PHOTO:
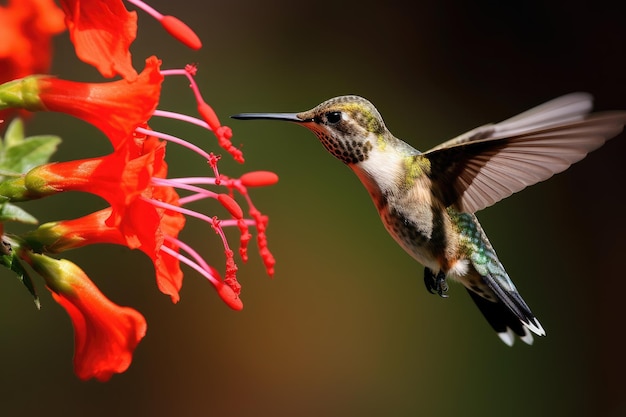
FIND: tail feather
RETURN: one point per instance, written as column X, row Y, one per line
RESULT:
column 509, row 315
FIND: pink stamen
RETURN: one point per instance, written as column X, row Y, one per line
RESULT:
column 213, row 159
column 189, row 72
column 231, row 268
column 183, row 185
column 228, row 294
column 222, row 133
column 213, row 221
column 172, row 25
column 174, row 139
column 197, row 259
column 195, row 180
column 192, row 69
column 260, row 223
column 182, row 117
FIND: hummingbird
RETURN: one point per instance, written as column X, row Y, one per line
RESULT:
column 427, row 200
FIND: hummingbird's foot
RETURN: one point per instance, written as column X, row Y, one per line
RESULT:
column 436, row 283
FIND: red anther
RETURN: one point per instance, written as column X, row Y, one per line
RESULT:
column 231, row 205
column 181, row 32
column 230, row 278
column 230, row 297
column 208, row 115
column 258, row 179
column 244, row 239
column 225, row 132
column 268, row 260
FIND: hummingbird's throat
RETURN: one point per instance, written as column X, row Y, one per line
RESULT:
column 349, row 151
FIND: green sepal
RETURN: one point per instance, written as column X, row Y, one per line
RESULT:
column 9, row 259
column 22, row 93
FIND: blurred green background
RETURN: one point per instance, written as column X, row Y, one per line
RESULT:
column 346, row 327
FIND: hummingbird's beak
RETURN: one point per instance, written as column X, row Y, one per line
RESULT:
column 287, row 117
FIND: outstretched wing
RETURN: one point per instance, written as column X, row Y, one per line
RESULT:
column 487, row 164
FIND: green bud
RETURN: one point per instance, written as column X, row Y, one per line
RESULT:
column 21, row 94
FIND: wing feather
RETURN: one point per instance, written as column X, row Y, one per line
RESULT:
column 492, row 162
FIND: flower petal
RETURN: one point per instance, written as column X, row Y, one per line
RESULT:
column 102, row 32
column 105, row 334
column 117, row 108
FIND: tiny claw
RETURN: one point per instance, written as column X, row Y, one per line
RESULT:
column 442, row 285
column 429, row 280
column 436, row 283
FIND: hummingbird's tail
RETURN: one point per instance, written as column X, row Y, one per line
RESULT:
column 509, row 315
column 490, row 286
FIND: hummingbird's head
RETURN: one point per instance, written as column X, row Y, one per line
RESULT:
column 349, row 127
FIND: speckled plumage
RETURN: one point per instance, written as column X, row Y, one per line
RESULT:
column 426, row 200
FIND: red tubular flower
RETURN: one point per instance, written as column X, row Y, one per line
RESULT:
column 102, row 32
column 26, row 29
column 105, row 334
column 150, row 224
column 143, row 226
column 57, row 237
column 117, row 108
column 116, row 178
column 146, row 211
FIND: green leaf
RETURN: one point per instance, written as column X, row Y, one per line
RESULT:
column 9, row 259
column 15, row 133
column 11, row 212
column 34, row 151
column 20, row 154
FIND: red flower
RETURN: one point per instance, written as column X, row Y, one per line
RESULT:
column 169, row 276
column 142, row 226
column 26, row 29
column 56, row 237
column 116, row 178
column 141, row 216
column 105, row 334
column 116, row 108
column 102, row 32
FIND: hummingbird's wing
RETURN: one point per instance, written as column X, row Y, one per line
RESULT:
column 487, row 164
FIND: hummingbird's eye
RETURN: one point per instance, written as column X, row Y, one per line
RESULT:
column 333, row 117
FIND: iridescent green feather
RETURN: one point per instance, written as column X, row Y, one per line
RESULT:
column 478, row 249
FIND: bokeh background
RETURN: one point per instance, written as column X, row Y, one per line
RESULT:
column 346, row 327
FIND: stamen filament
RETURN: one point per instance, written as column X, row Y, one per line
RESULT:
column 176, row 140
column 193, row 85
column 184, row 186
column 146, row 8
column 213, row 221
column 182, row 117
column 199, row 260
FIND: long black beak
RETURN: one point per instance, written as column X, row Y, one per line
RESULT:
column 288, row 117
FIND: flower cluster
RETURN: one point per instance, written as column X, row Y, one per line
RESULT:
column 145, row 210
